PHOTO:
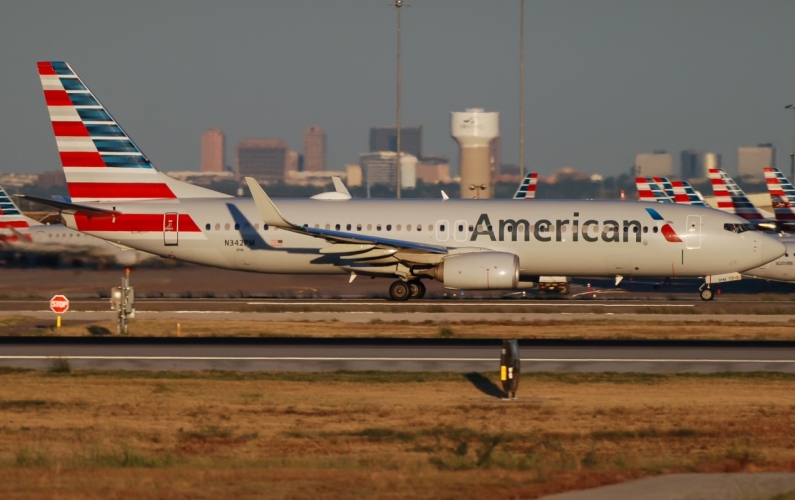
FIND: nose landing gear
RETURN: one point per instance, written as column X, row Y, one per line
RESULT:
column 706, row 292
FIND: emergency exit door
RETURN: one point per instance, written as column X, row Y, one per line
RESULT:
column 171, row 228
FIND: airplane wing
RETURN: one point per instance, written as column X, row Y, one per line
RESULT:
column 70, row 208
column 271, row 216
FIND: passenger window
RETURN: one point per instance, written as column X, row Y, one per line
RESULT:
column 217, row 226
column 461, row 228
column 408, row 227
column 207, row 227
column 654, row 230
column 358, row 227
column 226, row 226
column 645, row 229
column 397, row 227
column 471, row 228
column 328, row 226
column 635, row 229
column 369, row 227
column 317, row 226
column 378, row 227
column 348, row 227
column 337, row 227
column 256, row 226
column 237, row 226
column 266, row 227
column 419, row 227
column 441, row 227
column 389, row 227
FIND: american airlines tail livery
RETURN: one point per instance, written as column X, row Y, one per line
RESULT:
column 118, row 195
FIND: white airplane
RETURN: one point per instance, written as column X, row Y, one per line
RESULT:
column 19, row 233
column 118, row 195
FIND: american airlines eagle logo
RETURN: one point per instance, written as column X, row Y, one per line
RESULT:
column 666, row 229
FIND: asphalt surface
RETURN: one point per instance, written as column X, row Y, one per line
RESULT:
column 411, row 355
column 735, row 486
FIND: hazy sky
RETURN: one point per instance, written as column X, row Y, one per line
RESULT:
column 604, row 79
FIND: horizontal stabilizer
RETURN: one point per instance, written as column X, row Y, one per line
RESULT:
column 70, row 208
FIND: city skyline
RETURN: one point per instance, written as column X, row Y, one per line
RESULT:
column 605, row 81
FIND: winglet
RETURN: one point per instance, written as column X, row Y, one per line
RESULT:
column 444, row 195
column 339, row 186
column 267, row 210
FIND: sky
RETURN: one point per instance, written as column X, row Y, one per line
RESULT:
column 604, row 79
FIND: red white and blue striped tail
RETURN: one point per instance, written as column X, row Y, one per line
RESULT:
column 527, row 189
column 99, row 159
column 649, row 189
column 12, row 222
column 684, row 194
column 731, row 198
column 782, row 194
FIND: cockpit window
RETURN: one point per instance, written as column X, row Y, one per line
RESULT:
column 738, row 228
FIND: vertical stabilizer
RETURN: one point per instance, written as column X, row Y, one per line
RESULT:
column 731, row 198
column 100, row 161
column 527, row 189
column 782, row 194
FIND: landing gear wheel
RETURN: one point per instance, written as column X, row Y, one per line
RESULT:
column 417, row 289
column 399, row 291
column 707, row 294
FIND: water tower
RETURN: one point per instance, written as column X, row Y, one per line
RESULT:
column 474, row 129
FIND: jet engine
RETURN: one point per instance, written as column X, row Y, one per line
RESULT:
column 478, row 271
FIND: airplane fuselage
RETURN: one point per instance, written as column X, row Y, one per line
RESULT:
column 550, row 237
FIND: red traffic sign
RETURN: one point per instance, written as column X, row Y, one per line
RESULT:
column 59, row 304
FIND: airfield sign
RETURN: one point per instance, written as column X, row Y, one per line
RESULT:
column 59, row 304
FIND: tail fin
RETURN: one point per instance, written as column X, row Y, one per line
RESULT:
column 100, row 161
column 782, row 194
column 731, row 198
column 12, row 222
column 527, row 189
column 685, row 194
column 650, row 190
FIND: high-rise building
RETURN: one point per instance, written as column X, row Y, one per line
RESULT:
column 213, row 150
column 379, row 168
column 385, row 139
column 263, row 159
column 752, row 160
column 712, row 161
column 657, row 164
column 314, row 149
column 692, row 164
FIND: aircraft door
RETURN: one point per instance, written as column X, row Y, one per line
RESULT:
column 442, row 230
column 693, row 235
column 171, row 229
column 460, row 230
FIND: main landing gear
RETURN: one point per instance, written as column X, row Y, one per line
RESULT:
column 405, row 290
column 706, row 292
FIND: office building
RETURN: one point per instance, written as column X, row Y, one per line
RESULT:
column 692, row 164
column 379, row 168
column 213, row 151
column 385, row 139
column 433, row 169
column 263, row 159
column 657, row 164
column 752, row 160
column 354, row 173
column 314, row 149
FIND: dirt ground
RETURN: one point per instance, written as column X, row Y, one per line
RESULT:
column 379, row 435
column 597, row 328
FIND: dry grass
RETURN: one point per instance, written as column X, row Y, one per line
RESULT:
column 583, row 329
column 352, row 435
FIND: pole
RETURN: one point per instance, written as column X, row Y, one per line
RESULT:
column 521, row 90
column 792, row 154
column 398, row 5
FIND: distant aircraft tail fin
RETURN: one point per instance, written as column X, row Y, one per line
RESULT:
column 100, row 161
column 650, row 190
column 527, row 189
column 782, row 194
column 731, row 198
column 685, row 194
column 12, row 222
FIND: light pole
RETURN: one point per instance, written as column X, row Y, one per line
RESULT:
column 792, row 153
column 521, row 90
column 477, row 189
column 398, row 5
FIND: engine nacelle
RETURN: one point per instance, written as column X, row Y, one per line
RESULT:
column 478, row 271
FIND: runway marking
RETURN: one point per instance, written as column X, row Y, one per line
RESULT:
column 300, row 358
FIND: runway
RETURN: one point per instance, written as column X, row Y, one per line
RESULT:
column 410, row 355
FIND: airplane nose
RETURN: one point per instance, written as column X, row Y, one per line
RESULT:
column 770, row 248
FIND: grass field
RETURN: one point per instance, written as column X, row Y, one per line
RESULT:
column 385, row 435
column 597, row 328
